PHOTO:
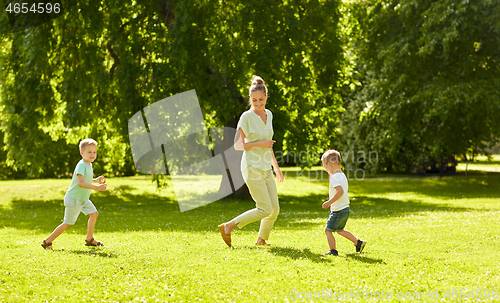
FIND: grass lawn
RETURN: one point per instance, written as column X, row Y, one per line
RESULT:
column 427, row 237
column 481, row 164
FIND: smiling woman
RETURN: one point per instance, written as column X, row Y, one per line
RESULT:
column 254, row 137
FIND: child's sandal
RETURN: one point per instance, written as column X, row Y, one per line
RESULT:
column 46, row 245
column 91, row 243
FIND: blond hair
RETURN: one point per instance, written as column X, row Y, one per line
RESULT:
column 331, row 156
column 86, row 142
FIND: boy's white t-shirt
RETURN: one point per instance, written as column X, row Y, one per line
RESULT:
column 336, row 180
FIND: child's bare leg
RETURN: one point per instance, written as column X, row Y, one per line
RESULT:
column 91, row 225
column 348, row 235
column 331, row 239
column 57, row 232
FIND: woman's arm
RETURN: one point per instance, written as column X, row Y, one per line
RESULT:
column 240, row 144
column 277, row 170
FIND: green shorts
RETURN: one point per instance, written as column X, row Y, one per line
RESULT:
column 74, row 207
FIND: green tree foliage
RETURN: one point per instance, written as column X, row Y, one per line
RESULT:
column 430, row 74
column 87, row 72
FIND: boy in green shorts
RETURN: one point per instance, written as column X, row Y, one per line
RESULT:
column 338, row 203
column 77, row 197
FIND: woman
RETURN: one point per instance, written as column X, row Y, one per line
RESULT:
column 254, row 134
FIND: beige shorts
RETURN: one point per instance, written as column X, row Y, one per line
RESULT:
column 74, row 207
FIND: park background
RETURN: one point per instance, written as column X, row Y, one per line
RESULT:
column 415, row 82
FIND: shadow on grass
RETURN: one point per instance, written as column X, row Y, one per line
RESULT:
column 478, row 184
column 306, row 254
column 363, row 258
column 292, row 253
column 118, row 210
column 296, row 254
column 93, row 252
column 127, row 212
column 122, row 210
column 297, row 211
column 452, row 187
column 372, row 207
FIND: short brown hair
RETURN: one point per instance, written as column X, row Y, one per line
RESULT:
column 86, row 142
column 331, row 156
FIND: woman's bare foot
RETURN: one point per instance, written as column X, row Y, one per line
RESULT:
column 261, row 241
column 228, row 227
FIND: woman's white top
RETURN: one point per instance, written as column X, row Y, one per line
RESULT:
column 256, row 130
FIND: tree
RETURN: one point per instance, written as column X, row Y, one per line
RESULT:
column 431, row 82
column 87, row 72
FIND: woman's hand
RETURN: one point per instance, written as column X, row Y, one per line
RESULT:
column 267, row 143
column 279, row 175
column 241, row 144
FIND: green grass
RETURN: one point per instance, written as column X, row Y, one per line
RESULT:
column 424, row 235
column 482, row 163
